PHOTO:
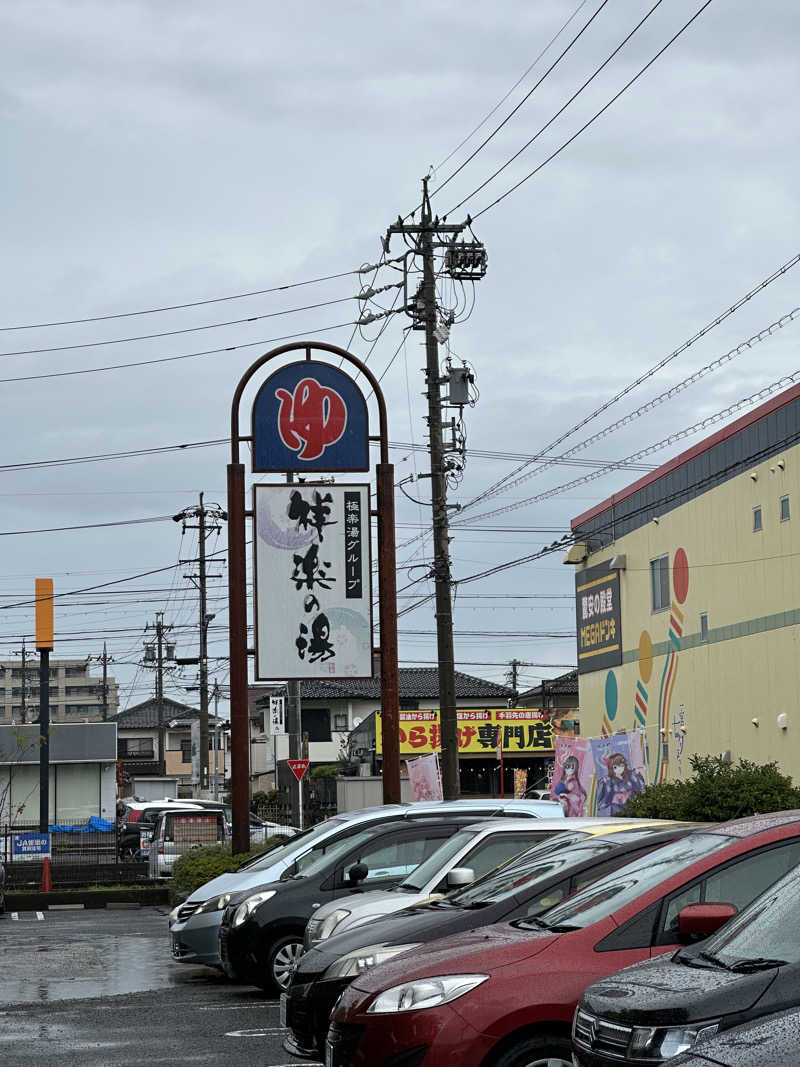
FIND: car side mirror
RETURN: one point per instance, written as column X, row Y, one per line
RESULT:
column 697, row 921
column 460, row 876
column 357, row 873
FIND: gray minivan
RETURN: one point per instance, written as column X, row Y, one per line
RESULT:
column 175, row 831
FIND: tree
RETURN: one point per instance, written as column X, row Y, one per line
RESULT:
column 717, row 791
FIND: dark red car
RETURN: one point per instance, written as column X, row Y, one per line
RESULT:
column 504, row 995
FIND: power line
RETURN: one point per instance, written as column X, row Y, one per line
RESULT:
column 516, row 84
column 86, row 526
column 522, row 102
column 173, row 359
column 511, row 482
column 191, row 304
column 506, row 479
column 596, row 116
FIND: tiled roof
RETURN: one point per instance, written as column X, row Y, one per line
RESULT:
column 564, row 685
column 144, row 716
column 415, row 683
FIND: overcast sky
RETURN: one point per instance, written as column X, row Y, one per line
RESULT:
column 158, row 153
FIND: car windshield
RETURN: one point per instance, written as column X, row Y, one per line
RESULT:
column 432, row 867
column 607, row 895
column 553, row 858
column 298, row 844
column 326, row 852
column 768, row 928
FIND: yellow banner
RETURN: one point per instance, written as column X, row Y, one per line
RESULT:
column 520, row 731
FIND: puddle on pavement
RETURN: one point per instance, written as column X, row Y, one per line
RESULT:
column 51, row 969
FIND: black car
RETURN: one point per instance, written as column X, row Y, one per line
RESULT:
column 653, row 1011
column 524, row 886
column 774, row 1040
column 261, row 935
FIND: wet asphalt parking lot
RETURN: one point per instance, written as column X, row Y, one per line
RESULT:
column 99, row 987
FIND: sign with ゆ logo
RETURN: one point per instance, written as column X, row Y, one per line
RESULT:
column 310, row 416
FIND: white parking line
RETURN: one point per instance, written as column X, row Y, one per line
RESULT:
column 265, row 1032
column 40, row 916
column 15, row 916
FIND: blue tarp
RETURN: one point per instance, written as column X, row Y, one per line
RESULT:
column 92, row 825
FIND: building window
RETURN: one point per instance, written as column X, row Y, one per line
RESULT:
column 317, row 723
column 785, row 512
column 758, row 523
column 659, row 582
column 140, row 747
column 704, row 627
column 340, row 721
column 186, row 751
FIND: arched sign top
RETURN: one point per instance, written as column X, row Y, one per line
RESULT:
column 310, row 416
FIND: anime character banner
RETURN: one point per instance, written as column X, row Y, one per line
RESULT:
column 619, row 769
column 573, row 770
column 313, row 591
column 424, row 778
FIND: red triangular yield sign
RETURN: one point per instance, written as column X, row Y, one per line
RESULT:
column 298, row 767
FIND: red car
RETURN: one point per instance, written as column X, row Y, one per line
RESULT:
column 504, row 995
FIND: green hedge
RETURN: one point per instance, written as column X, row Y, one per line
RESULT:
column 717, row 791
column 199, row 865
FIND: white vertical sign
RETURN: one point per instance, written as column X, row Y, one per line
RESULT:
column 313, row 581
column 277, row 716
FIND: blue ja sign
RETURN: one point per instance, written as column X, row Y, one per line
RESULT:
column 310, row 416
column 30, row 846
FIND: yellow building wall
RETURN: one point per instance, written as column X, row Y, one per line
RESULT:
column 748, row 584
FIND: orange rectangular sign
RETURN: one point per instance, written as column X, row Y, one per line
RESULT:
column 44, row 613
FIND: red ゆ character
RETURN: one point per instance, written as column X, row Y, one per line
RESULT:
column 311, row 418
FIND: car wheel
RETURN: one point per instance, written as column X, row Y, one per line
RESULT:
column 282, row 956
column 547, row 1050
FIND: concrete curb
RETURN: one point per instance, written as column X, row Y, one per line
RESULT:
column 78, row 901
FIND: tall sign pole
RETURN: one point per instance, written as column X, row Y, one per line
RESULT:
column 312, row 576
column 44, row 646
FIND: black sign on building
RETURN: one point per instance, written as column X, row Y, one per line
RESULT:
column 599, row 618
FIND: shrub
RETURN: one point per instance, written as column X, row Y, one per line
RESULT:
column 718, row 791
column 199, row 865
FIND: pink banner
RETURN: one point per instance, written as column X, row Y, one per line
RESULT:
column 572, row 774
column 424, row 778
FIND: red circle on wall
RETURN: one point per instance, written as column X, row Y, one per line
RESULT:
column 680, row 575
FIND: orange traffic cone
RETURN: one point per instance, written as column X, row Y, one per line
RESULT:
column 47, row 881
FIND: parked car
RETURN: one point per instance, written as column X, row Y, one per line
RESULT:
column 506, row 994
column 774, row 1040
column 194, row 924
column 525, row 885
column 464, row 857
column 136, row 822
column 261, row 935
column 177, row 831
column 655, row 1010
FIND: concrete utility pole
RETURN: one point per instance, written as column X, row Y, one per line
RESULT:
column 104, row 660
column 426, row 234
column 217, row 516
column 514, row 666
column 156, row 656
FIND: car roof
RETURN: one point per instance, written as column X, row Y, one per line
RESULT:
column 754, row 824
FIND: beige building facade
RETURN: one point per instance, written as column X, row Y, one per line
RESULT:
column 76, row 694
column 688, row 600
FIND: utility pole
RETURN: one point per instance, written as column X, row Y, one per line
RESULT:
column 217, row 516
column 427, row 233
column 157, row 655
column 105, row 659
column 514, row 666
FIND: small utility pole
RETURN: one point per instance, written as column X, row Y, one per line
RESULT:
column 156, row 656
column 426, row 233
column 104, row 660
column 215, row 513
column 514, row 666
column 24, row 682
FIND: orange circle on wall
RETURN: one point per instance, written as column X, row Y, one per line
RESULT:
column 645, row 656
column 680, row 575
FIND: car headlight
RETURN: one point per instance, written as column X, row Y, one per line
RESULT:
column 214, row 904
column 355, row 963
column 425, row 993
column 247, row 907
column 324, row 929
column 660, row 1043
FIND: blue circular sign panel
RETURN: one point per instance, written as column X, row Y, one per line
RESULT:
column 310, row 416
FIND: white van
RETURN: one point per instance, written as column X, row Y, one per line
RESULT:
column 176, row 831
